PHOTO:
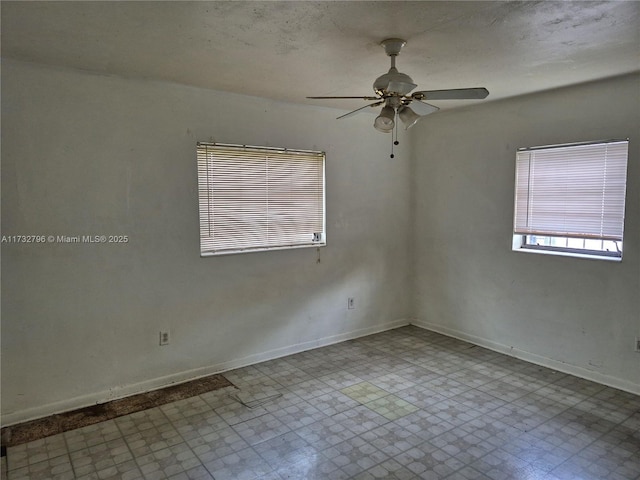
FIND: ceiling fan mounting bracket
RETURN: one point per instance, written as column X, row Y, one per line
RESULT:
column 392, row 46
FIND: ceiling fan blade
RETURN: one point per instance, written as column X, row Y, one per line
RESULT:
column 338, row 98
column 353, row 112
column 452, row 94
column 423, row 108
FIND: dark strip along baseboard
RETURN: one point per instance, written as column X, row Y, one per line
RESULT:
column 63, row 422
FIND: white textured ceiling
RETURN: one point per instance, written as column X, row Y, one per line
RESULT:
column 289, row 50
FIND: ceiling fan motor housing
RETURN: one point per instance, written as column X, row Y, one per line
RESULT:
column 393, row 80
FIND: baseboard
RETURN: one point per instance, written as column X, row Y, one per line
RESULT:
column 563, row 367
column 118, row 392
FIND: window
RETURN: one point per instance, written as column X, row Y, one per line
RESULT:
column 255, row 199
column 569, row 199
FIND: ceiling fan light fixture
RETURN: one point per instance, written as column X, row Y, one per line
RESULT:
column 385, row 121
column 408, row 117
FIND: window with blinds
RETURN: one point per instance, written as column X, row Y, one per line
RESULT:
column 570, row 199
column 257, row 198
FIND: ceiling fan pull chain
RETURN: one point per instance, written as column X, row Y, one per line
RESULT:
column 394, row 136
column 396, row 142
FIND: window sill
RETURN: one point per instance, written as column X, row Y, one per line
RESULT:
column 567, row 254
column 255, row 250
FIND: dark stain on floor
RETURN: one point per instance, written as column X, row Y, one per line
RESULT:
column 63, row 422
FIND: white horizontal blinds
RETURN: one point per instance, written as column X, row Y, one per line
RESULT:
column 295, row 198
column 572, row 191
column 257, row 199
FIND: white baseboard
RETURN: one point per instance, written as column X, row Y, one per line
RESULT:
column 118, row 392
column 563, row 367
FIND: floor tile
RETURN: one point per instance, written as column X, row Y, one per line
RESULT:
column 355, row 455
column 199, row 425
column 504, row 389
column 464, row 447
column 217, row 444
column 392, row 407
column 153, row 439
column 367, row 371
column 260, row 429
column 325, row 433
column 417, row 375
column 491, row 431
column 452, row 412
column 277, row 366
column 427, row 461
column 314, row 467
column 234, row 412
column 128, row 470
column 140, row 421
column 168, row 462
column 478, row 401
column 393, row 382
column 36, row 452
column 420, row 396
column 360, row 419
column 392, row 439
column 340, row 379
column 285, row 449
column 364, row 392
column 298, row 415
column 185, row 408
column 92, row 435
column 58, row 468
column 518, row 417
column 243, row 465
column 387, row 470
column 310, row 389
column 446, row 386
column 424, row 424
column 501, row 465
column 333, row 402
column 626, row 435
column 468, row 473
column 196, row 473
column 542, row 456
column 98, row 458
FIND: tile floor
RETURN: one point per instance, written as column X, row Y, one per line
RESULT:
column 403, row 404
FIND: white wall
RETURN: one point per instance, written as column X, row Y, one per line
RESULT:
column 575, row 315
column 84, row 154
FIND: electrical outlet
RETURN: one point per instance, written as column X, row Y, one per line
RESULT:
column 164, row 338
column 351, row 304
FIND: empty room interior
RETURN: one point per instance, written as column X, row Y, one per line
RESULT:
column 206, row 274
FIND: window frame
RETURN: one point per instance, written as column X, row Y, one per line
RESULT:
column 521, row 239
column 265, row 217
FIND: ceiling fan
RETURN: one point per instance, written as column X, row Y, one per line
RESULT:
column 392, row 89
